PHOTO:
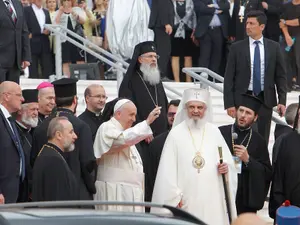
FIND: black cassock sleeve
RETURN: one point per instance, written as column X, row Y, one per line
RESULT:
column 256, row 178
column 277, row 191
column 55, row 182
column 87, row 157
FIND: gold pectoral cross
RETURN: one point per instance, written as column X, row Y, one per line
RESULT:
column 241, row 19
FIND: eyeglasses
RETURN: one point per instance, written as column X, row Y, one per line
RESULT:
column 171, row 114
column 150, row 56
column 99, row 96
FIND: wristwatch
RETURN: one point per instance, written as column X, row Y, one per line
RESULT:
column 284, row 22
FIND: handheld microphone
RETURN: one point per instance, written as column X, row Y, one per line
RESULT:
column 235, row 136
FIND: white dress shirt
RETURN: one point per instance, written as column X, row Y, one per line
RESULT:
column 40, row 16
column 6, row 115
column 252, row 46
column 12, row 6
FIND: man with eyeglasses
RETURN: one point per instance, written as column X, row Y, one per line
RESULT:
column 12, row 159
column 95, row 98
column 143, row 86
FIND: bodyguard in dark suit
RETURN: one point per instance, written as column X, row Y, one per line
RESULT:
column 36, row 17
column 14, row 41
column 211, row 31
column 12, row 159
column 162, row 22
column 255, row 66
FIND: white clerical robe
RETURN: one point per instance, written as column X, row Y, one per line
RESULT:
column 120, row 174
column 127, row 25
column 202, row 193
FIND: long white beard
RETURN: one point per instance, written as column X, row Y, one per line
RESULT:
column 29, row 121
column 150, row 74
column 195, row 123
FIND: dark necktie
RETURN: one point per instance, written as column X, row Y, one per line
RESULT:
column 256, row 70
column 19, row 146
column 11, row 11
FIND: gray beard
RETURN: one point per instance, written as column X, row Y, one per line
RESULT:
column 69, row 147
column 150, row 74
column 28, row 121
column 195, row 123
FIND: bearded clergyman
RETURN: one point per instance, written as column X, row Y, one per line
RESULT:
column 143, row 86
column 251, row 156
column 27, row 119
column 189, row 174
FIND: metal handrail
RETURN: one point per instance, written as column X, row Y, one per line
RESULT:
column 193, row 73
column 120, row 64
column 53, row 27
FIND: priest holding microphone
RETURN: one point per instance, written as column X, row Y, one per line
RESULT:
column 251, row 156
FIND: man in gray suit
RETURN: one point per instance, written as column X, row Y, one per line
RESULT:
column 14, row 41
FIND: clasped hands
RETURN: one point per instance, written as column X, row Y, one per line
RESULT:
column 214, row 6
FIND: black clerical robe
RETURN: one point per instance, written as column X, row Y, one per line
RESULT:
column 41, row 118
column 286, row 180
column 94, row 121
column 81, row 161
column 155, row 148
column 26, row 142
column 143, row 95
column 52, row 178
column 237, row 27
column 254, row 180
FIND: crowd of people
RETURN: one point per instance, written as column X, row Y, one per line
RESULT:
column 139, row 146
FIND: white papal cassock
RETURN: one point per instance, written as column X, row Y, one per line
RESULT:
column 120, row 174
column 202, row 193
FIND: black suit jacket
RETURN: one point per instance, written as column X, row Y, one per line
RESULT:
column 162, row 13
column 273, row 13
column 39, row 42
column 14, row 39
column 9, row 163
column 238, row 74
column 205, row 14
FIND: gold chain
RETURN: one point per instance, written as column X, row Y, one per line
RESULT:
column 194, row 140
column 45, row 145
column 250, row 136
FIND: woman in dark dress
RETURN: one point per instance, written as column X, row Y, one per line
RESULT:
column 71, row 18
column 182, row 43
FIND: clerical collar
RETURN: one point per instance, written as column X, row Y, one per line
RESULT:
column 238, row 128
column 97, row 115
column 23, row 126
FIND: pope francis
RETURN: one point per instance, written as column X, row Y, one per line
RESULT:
column 120, row 174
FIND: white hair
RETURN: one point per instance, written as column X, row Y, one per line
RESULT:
column 27, row 120
column 150, row 74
